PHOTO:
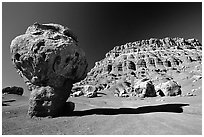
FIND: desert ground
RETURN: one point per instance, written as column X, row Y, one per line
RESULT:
column 106, row 114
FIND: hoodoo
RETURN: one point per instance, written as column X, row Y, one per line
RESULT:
column 49, row 60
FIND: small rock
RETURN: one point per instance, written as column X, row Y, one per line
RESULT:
column 190, row 94
column 125, row 95
column 116, row 95
column 77, row 94
column 196, row 77
column 193, row 90
column 91, row 94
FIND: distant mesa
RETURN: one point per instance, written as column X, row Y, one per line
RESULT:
column 49, row 60
column 13, row 90
column 134, row 68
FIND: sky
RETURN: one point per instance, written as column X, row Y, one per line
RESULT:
column 99, row 26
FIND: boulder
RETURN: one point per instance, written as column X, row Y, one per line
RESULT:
column 169, row 88
column 49, row 59
column 144, row 88
column 120, row 88
column 13, row 90
column 77, row 91
column 90, row 91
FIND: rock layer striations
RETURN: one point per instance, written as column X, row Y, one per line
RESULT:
column 144, row 63
column 48, row 58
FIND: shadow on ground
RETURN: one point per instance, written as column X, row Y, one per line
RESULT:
column 4, row 103
column 174, row 108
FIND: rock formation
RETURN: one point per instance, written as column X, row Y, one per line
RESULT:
column 86, row 90
column 153, row 60
column 169, row 88
column 144, row 88
column 49, row 59
column 13, row 90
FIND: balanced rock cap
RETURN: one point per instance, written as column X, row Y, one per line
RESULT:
column 48, row 50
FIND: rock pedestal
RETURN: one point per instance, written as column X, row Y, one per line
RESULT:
column 49, row 60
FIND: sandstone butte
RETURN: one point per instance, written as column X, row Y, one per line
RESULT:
column 145, row 68
column 49, row 60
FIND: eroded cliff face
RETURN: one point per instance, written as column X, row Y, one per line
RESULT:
column 155, row 60
column 49, row 59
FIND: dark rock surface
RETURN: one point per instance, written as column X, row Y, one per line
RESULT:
column 154, row 59
column 13, row 90
column 49, row 59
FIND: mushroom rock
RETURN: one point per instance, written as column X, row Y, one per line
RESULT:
column 49, row 59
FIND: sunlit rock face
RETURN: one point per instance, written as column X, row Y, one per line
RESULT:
column 49, row 59
column 155, row 59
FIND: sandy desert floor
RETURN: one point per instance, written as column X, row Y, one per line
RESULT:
column 107, row 114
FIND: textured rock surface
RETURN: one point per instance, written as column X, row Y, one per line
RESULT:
column 86, row 90
column 13, row 90
column 153, row 59
column 49, row 60
column 169, row 88
column 121, row 88
column 144, row 88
